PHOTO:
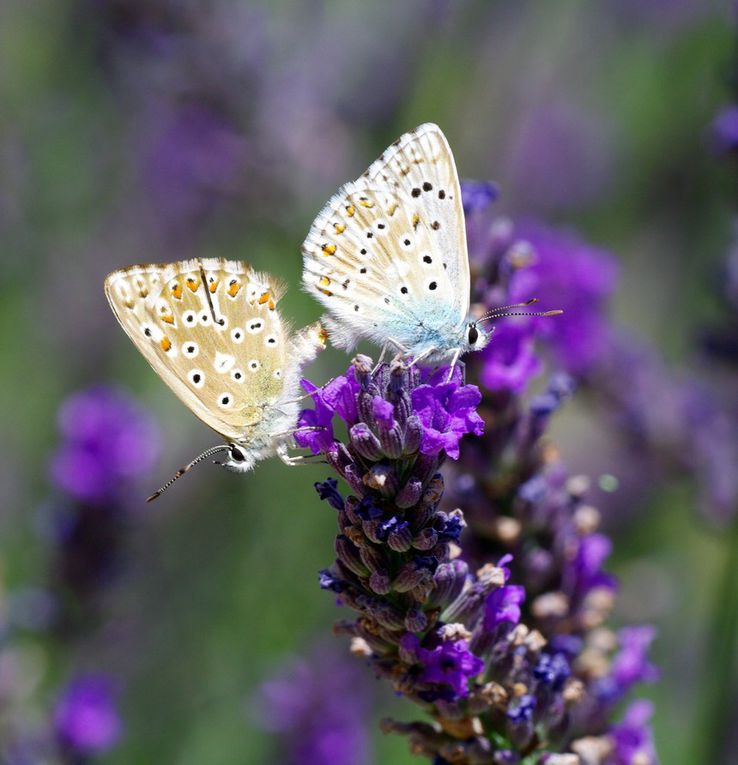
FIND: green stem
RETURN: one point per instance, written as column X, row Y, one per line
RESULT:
column 721, row 652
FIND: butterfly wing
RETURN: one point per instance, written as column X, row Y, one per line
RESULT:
column 391, row 245
column 211, row 330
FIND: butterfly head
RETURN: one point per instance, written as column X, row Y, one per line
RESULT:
column 239, row 459
column 476, row 337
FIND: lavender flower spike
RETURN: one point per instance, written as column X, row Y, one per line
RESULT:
column 446, row 638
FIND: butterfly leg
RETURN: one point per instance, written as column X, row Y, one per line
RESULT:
column 454, row 361
column 420, row 357
column 380, row 359
column 307, row 395
column 304, row 429
column 298, row 459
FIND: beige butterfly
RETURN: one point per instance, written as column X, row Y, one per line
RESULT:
column 211, row 330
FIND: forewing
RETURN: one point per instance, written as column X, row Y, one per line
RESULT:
column 211, row 330
column 391, row 243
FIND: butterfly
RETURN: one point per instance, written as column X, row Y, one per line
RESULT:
column 387, row 256
column 211, row 330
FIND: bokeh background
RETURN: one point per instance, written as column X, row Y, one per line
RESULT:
column 136, row 131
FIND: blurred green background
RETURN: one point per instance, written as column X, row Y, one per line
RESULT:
column 137, row 131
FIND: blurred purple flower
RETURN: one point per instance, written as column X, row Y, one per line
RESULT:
column 631, row 665
column 579, row 278
column 509, row 362
column 476, row 196
column 318, row 705
column 723, row 133
column 86, row 718
column 193, row 155
column 107, row 440
column 561, row 157
column 632, row 737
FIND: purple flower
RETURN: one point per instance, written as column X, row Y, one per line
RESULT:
column 724, row 130
column 503, row 606
column 318, row 706
column 632, row 737
column 319, row 417
column 447, row 413
column 107, row 440
column 450, row 663
column 86, row 718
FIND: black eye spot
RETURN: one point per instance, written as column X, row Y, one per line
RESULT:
column 221, row 322
column 406, row 242
column 147, row 332
column 196, row 378
column 387, row 300
column 237, row 335
column 380, row 225
column 363, row 250
column 369, row 235
column 190, row 349
column 205, row 318
column 441, row 194
column 237, row 375
column 362, row 270
column 473, row 334
column 432, row 286
column 445, row 266
column 427, row 259
column 415, row 192
column 237, row 455
column 403, row 290
column 356, row 308
column 190, row 319
column 427, row 186
column 435, row 225
column 225, row 400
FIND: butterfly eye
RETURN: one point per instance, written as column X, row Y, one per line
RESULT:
column 473, row 334
column 236, row 454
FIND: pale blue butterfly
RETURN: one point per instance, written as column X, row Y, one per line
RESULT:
column 387, row 256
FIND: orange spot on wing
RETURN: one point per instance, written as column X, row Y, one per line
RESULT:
column 265, row 297
column 324, row 281
column 416, row 220
column 325, row 292
column 323, row 335
column 272, row 305
column 392, row 209
column 177, row 291
column 366, row 203
column 329, row 249
column 213, row 286
column 165, row 344
column 350, row 210
column 193, row 283
column 168, row 318
column 340, row 227
column 234, row 288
